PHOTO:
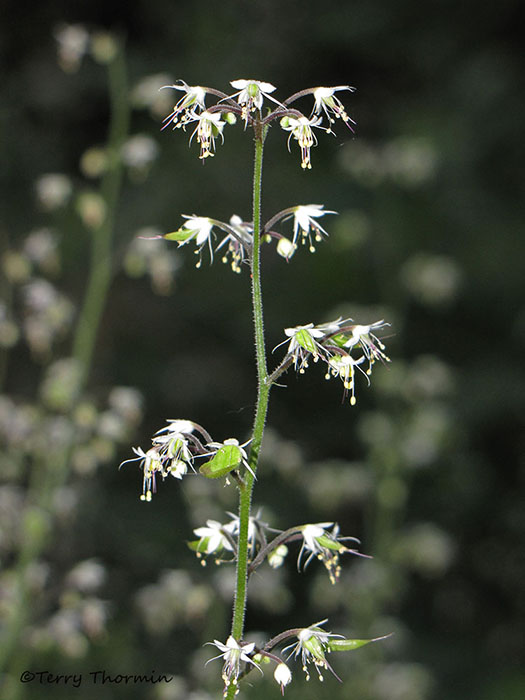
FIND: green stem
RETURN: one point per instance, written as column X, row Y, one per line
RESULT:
column 102, row 241
column 245, row 495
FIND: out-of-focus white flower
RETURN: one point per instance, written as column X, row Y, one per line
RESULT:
column 53, row 190
column 212, row 538
column 139, row 151
column 73, row 42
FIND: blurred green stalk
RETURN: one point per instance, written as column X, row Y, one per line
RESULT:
column 49, row 473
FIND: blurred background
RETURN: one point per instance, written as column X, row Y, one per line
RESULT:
column 104, row 336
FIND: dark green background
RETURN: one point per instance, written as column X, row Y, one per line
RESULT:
column 445, row 74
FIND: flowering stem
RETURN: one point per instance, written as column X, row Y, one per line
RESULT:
column 245, row 491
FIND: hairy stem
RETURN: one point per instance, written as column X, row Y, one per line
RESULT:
column 245, row 491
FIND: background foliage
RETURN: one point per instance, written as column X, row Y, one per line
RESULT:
column 427, row 469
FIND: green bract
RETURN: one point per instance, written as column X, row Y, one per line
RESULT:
column 226, row 459
column 305, row 340
column 179, row 235
column 348, row 644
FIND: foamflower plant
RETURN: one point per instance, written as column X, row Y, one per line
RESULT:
column 345, row 347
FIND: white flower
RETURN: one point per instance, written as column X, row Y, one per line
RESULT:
column 177, row 425
column 302, row 344
column 195, row 228
column 73, row 42
column 256, row 528
column 251, row 94
column 312, row 646
column 184, row 110
column 237, row 245
column 151, row 463
column 282, row 675
column 212, row 538
column 301, row 129
column 277, row 556
column 305, row 224
column 285, row 248
column 370, row 344
column 324, row 545
column 210, row 125
column 343, row 366
column 233, row 654
column 326, row 101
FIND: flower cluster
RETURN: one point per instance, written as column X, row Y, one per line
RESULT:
column 247, row 102
column 237, row 244
column 334, row 343
column 177, row 445
column 200, row 230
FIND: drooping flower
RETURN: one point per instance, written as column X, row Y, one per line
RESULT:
column 285, row 248
column 282, row 675
column 326, row 546
column 256, row 530
column 305, row 224
column 343, row 366
column 250, row 96
column 326, row 101
column 195, row 228
column 303, row 345
column 171, row 454
column 370, row 344
column 152, row 464
column 237, row 245
column 209, row 126
column 312, row 646
column 187, row 106
column 301, row 129
column 173, row 445
column 212, row 538
column 234, row 654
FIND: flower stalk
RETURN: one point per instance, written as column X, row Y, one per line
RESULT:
column 245, row 496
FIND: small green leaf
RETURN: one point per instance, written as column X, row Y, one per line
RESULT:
column 305, row 340
column 225, row 460
column 182, row 234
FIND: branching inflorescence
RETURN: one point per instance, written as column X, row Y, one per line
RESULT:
column 346, row 348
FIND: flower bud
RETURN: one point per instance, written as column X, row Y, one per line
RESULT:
column 282, row 675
